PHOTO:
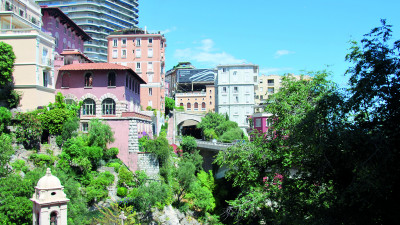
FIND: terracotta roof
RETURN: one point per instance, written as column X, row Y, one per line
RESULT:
column 75, row 52
column 100, row 66
column 56, row 12
column 135, row 114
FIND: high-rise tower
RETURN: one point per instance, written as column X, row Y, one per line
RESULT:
column 98, row 18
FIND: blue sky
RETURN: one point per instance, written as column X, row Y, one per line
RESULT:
column 280, row 36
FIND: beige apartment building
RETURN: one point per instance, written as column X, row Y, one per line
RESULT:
column 197, row 101
column 20, row 22
column 268, row 85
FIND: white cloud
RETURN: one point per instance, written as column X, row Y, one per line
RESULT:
column 274, row 70
column 206, row 53
column 283, row 52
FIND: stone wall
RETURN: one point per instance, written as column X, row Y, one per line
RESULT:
column 148, row 163
column 133, row 142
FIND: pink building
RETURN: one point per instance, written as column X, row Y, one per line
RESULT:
column 67, row 34
column 109, row 92
column 145, row 54
column 262, row 121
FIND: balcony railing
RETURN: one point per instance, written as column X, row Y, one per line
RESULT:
column 191, row 94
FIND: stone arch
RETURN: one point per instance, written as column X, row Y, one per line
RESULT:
column 89, row 95
column 108, row 95
column 72, row 96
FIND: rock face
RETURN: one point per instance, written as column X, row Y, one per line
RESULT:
column 171, row 216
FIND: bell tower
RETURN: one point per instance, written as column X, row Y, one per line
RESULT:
column 49, row 201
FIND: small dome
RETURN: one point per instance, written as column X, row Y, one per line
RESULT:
column 48, row 181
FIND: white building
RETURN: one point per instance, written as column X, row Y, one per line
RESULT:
column 98, row 19
column 235, row 91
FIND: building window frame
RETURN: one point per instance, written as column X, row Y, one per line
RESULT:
column 108, row 107
column 89, row 107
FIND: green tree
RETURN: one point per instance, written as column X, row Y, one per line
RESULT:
column 189, row 144
column 6, row 150
column 169, row 105
column 7, row 58
column 8, row 96
column 100, row 134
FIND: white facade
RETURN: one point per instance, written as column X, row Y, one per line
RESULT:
column 235, row 91
column 98, row 18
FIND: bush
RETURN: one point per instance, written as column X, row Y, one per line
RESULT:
column 125, row 177
column 59, row 141
column 19, row 165
column 115, row 165
column 111, row 153
column 231, row 135
column 188, row 144
column 5, row 118
column 53, row 120
column 42, row 160
column 29, row 130
column 122, row 191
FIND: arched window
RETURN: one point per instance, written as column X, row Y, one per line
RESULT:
column 111, row 79
column 133, row 85
column 127, row 81
column 196, row 106
column 188, row 106
column 69, row 101
column 203, row 106
column 181, row 104
column 65, row 80
column 130, row 83
column 89, row 107
column 53, row 218
column 108, row 106
column 88, row 80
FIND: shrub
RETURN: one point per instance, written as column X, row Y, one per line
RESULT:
column 231, row 135
column 19, row 165
column 42, row 160
column 115, row 165
column 122, row 191
column 125, row 177
column 5, row 118
column 59, row 141
column 111, row 153
column 29, row 130
column 53, row 120
column 188, row 144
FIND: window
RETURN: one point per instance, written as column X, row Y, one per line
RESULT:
column 115, row 53
column 138, row 53
column 138, row 88
column 111, row 79
column 130, row 84
column 21, row 12
column 69, row 101
column 150, row 41
column 108, row 106
column 88, row 80
column 150, row 66
column 89, row 107
column 138, row 42
column 44, row 56
column 45, row 78
column 224, row 70
column 258, row 122
column 235, row 89
column 196, row 106
column 127, row 81
column 261, row 89
column 150, row 91
column 269, row 122
column 123, row 40
column 223, row 89
column 150, row 52
column 270, row 82
column 138, row 67
column 203, row 106
column 181, row 104
column 188, row 106
column 65, row 80
column 53, row 216
column 270, row 90
column 210, row 103
column 150, row 78
column 236, row 99
column 85, row 127
column 234, row 73
column 133, row 85
column 123, row 53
